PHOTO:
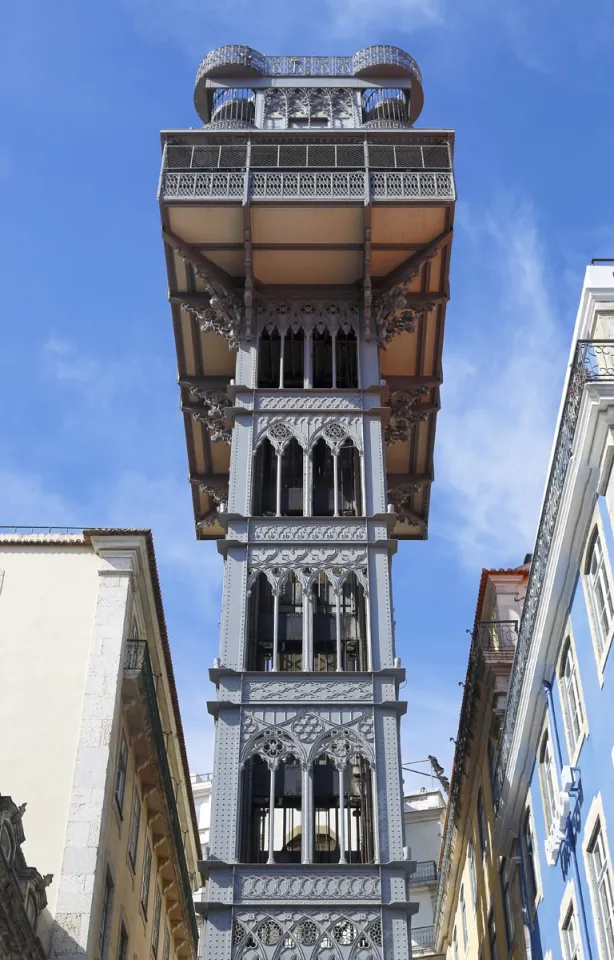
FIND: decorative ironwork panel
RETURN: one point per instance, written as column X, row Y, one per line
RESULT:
column 324, row 690
column 312, row 885
column 311, row 531
column 203, row 186
column 308, row 186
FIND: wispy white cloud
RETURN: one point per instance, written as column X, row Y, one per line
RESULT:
column 502, row 388
column 275, row 24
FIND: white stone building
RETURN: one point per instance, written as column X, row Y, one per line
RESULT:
column 424, row 814
column 95, row 745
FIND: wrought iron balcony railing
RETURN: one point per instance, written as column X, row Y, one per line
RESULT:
column 593, row 362
column 497, row 636
column 137, row 659
column 240, row 55
column 425, row 872
column 422, row 940
column 307, row 186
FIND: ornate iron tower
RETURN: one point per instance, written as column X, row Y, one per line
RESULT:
column 308, row 228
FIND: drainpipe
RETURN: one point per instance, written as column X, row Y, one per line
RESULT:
column 569, row 837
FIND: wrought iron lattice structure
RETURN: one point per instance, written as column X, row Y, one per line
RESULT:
column 295, row 260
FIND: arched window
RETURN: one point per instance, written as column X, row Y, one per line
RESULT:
column 600, row 595
column 271, row 812
column 290, row 638
column 346, row 358
column 349, row 485
column 353, row 626
column 324, row 625
column 322, row 348
column 294, row 358
column 269, row 359
column 323, row 480
column 260, row 625
column 292, row 479
column 264, row 500
column 343, row 811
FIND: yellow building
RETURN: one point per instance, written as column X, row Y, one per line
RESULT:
column 96, row 747
column 478, row 912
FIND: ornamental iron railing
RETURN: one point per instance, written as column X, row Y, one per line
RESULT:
column 425, row 872
column 241, row 55
column 307, row 186
column 422, row 940
column 593, row 362
column 137, row 659
column 386, row 105
column 497, row 636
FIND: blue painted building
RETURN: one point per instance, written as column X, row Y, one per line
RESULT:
column 553, row 781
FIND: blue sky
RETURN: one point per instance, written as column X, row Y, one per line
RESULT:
column 91, row 431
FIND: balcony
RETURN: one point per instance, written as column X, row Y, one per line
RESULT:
column 422, row 940
column 425, row 872
column 333, row 170
column 497, row 637
column 138, row 674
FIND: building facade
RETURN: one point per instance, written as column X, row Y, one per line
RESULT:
column 478, row 912
column 307, row 229
column 424, row 815
column 553, row 782
column 98, row 754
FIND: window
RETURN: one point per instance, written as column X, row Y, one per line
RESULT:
column 455, row 944
column 529, row 858
column 122, row 951
column 105, row 916
column 482, row 828
column 492, row 936
column 472, row 875
column 570, row 937
column 548, row 780
column 463, row 909
column 599, row 593
column 505, row 877
column 603, row 896
column 146, row 877
column 569, row 684
column 155, row 935
column 167, row 944
column 120, row 775
column 135, row 820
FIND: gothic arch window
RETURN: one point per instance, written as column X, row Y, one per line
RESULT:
column 353, row 625
column 271, row 811
column 269, row 358
column 323, row 480
column 264, row 499
column 290, row 630
column 322, row 354
column 291, row 492
column 343, row 809
column 294, row 358
column 346, row 359
column 324, row 625
column 275, row 625
column 260, row 625
column 349, row 498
